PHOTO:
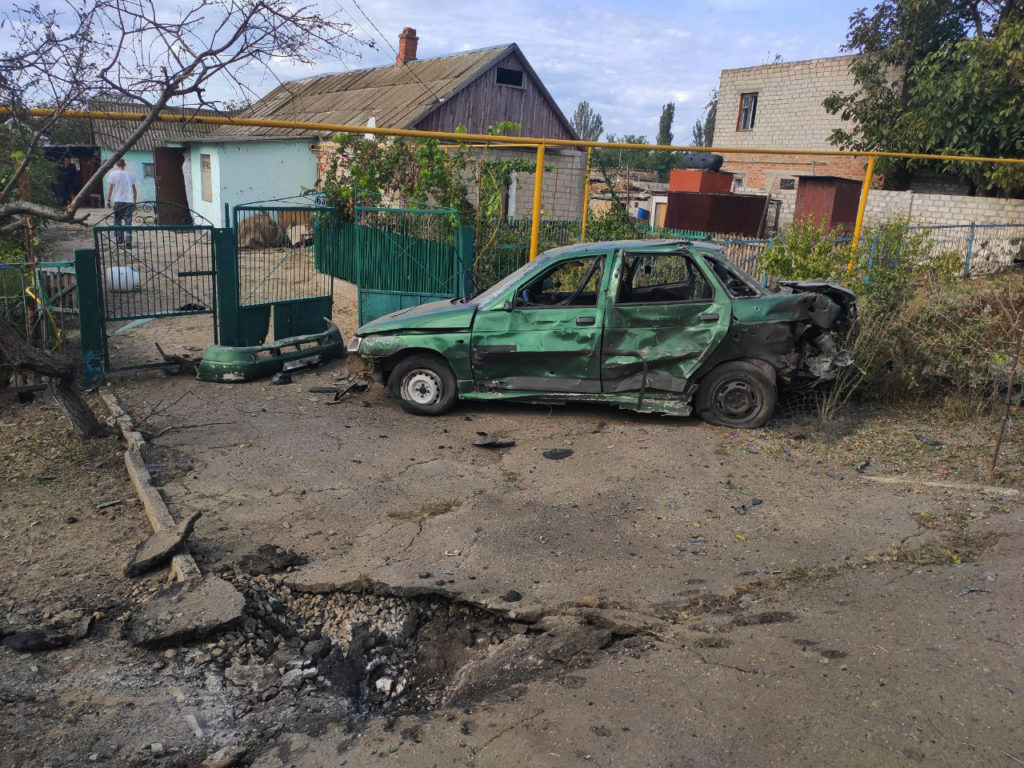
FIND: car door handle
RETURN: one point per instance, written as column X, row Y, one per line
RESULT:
column 585, row 321
column 709, row 317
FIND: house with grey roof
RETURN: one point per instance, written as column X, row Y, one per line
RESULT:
column 231, row 165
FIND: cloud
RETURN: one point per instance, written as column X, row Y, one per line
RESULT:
column 627, row 60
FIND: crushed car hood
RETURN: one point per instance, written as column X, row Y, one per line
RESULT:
column 843, row 297
column 435, row 316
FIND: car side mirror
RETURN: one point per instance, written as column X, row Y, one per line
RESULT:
column 507, row 306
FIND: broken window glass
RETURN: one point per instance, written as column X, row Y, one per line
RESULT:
column 661, row 277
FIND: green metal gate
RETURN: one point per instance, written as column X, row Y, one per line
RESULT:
column 277, row 271
column 148, row 272
column 405, row 257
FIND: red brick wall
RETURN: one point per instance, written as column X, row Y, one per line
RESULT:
column 764, row 171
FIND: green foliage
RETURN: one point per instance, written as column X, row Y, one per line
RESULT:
column 399, row 171
column 807, row 250
column 938, row 77
column 957, row 338
column 704, row 129
column 668, row 115
column 586, row 122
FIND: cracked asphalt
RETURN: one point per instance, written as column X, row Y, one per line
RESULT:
column 772, row 609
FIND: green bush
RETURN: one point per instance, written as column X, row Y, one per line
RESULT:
column 807, row 250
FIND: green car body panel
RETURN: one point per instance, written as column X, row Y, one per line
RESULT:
column 613, row 338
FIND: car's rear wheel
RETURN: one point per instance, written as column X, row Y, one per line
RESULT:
column 424, row 385
column 737, row 394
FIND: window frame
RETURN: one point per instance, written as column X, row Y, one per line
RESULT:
column 206, row 177
column 600, row 258
column 753, row 112
column 695, row 266
column 522, row 77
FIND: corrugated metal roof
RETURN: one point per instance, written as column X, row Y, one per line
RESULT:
column 110, row 134
column 396, row 96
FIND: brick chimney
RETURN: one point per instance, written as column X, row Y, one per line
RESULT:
column 407, row 46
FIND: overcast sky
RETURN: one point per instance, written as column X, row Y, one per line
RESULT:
column 627, row 59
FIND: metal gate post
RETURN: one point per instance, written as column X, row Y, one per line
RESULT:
column 90, row 313
column 464, row 251
column 970, row 247
column 225, row 259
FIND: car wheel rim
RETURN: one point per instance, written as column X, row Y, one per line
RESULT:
column 737, row 401
column 422, row 387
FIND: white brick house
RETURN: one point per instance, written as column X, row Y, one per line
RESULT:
column 779, row 106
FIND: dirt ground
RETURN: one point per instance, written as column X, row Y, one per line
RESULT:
column 669, row 594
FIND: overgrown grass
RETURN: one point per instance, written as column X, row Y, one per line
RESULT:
column 923, row 330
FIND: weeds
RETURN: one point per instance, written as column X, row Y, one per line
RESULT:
column 921, row 330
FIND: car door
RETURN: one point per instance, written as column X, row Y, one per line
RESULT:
column 665, row 315
column 547, row 337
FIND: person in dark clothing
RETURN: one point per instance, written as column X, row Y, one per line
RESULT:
column 67, row 177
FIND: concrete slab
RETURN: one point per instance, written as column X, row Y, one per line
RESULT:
column 186, row 611
column 159, row 548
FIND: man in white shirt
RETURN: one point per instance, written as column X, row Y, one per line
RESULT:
column 122, row 195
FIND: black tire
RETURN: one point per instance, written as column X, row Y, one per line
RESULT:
column 424, row 384
column 737, row 394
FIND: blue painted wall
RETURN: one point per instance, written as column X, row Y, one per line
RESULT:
column 249, row 171
column 134, row 165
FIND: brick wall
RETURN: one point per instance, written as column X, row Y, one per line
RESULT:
column 789, row 115
column 931, row 210
column 789, row 111
column 764, row 172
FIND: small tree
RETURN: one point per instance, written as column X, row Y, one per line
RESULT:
column 586, row 122
column 704, row 129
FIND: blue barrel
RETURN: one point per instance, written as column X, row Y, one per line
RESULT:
column 643, row 214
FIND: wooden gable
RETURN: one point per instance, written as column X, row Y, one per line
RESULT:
column 485, row 101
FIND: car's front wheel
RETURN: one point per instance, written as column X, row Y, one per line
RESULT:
column 737, row 394
column 424, row 385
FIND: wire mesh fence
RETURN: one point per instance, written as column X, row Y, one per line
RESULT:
column 977, row 248
column 277, row 250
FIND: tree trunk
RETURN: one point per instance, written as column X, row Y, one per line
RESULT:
column 63, row 379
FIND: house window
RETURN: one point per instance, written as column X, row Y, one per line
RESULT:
column 206, row 168
column 512, row 77
column 149, row 170
column 787, row 183
column 748, row 111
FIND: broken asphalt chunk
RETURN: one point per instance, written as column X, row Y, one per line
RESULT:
column 556, row 454
column 58, row 634
column 190, row 610
column 927, row 440
column 490, row 441
column 159, row 548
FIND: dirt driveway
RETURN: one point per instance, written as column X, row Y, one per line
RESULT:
column 668, row 594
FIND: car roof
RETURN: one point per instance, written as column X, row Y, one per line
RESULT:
column 624, row 245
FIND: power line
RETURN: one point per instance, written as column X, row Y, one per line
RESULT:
column 389, row 45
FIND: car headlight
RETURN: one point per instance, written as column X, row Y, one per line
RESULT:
column 354, row 344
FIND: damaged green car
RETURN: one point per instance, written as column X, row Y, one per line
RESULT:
column 658, row 326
